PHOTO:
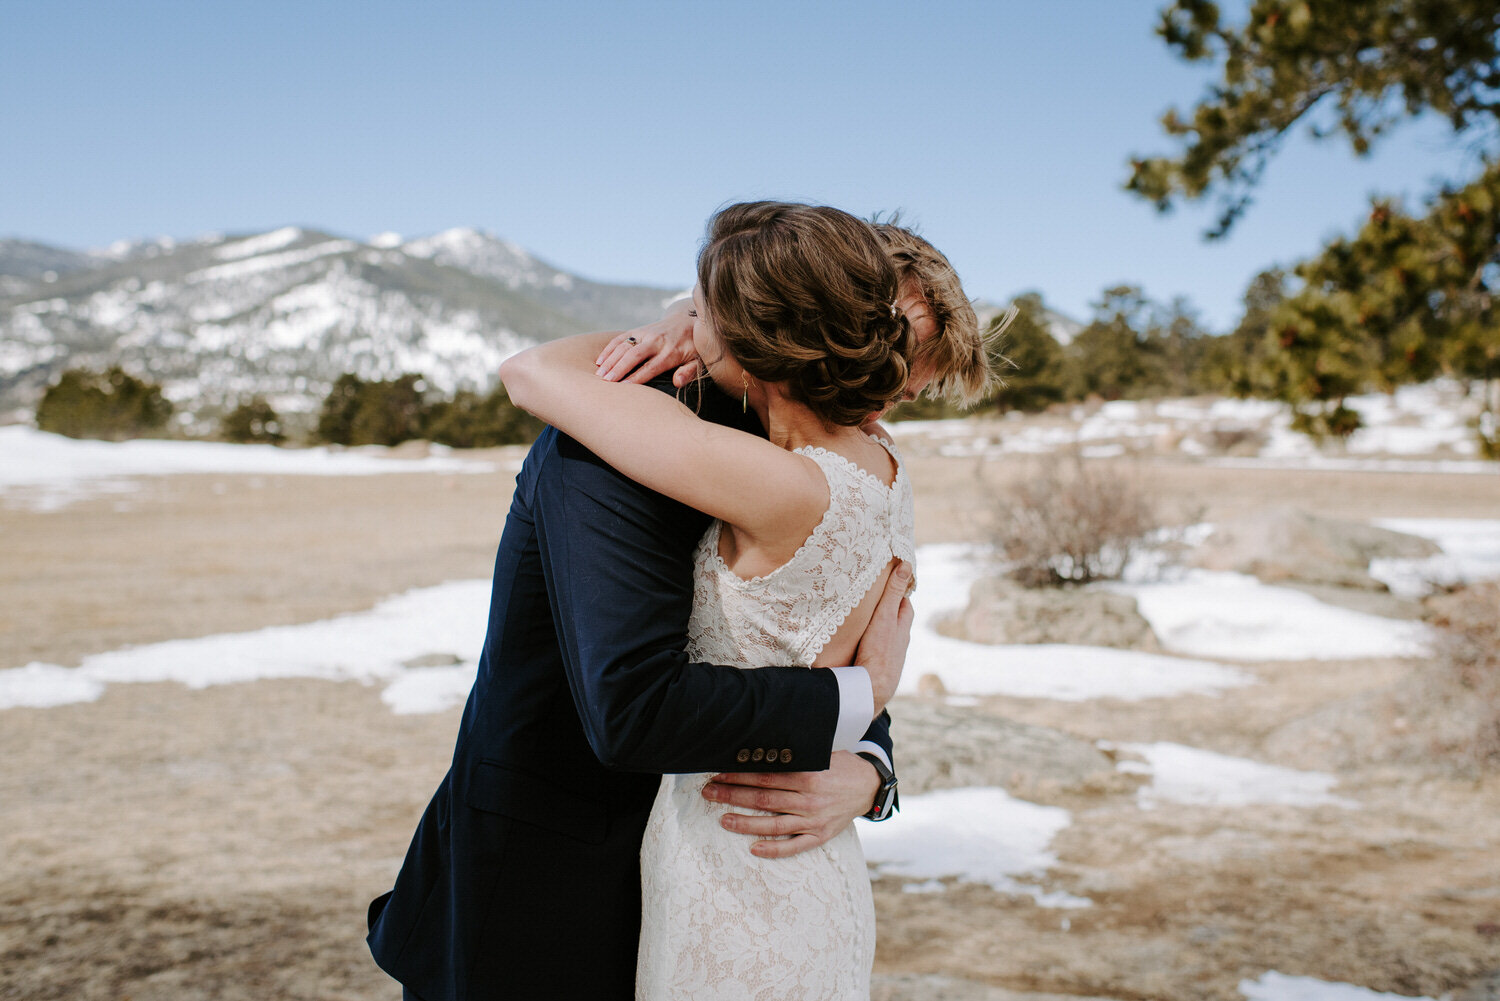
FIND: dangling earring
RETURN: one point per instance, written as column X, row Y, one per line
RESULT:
column 745, row 400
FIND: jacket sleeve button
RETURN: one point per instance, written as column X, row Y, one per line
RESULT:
column 786, row 755
column 760, row 753
column 743, row 756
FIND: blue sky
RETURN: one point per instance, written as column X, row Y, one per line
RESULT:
column 601, row 135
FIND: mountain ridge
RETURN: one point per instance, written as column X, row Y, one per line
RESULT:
column 282, row 313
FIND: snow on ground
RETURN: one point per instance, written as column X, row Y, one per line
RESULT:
column 977, row 835
column 1041, row 671
column 49, row 471
column 1471, row 552
column 449, row 619
column 1219, row 614
column 1181, row 774
column 1423, row 428
column 1273, row 986
column 447, row 622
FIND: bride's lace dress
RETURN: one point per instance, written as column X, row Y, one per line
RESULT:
column 717, row 922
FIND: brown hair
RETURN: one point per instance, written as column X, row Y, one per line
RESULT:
column 960, row 363
column 804, row 295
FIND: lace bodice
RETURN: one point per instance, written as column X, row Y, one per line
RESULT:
column 717, row 923
column 790, row 614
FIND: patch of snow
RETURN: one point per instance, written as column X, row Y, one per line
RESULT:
column 49, row 470
column 1273, row 986
column 1306, row 457
column 1181, row 774
column 41, row 685
column 263, row 244
column 978, row 835
column 1046, row 671
column 1220, row 614
column 270, row 262
column 370, row 646
column 385, row 241
column 1471, row 552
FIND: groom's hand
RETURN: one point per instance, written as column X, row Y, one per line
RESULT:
column 810, row 807
column 882, row 648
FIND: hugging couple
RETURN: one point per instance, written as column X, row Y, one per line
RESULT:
column 631, row 810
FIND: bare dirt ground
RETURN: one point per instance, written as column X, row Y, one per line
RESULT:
column 164, row 843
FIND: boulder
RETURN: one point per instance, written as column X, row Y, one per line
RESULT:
column 1287, row 545
column 946, row 747
column 1002, row 611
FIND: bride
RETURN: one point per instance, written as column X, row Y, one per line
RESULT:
column 794, row 313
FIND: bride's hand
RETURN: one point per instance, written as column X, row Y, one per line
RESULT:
column 642, row 354
column 809, row 807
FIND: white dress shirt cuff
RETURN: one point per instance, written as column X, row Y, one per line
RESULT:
column 856, row 706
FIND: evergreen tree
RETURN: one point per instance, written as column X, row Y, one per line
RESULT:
column 1350, row 67
column 385, row 412
column 1408, row 296
column 1029, row 359
column 113, row 405
column 472, row 421
column 336, row 418
column 390, row 412
column 1113, row 356
column 254, row 421
column 1236, row 362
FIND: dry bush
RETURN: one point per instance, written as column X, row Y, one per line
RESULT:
column 1071, row 522
column 1229, row 439
column 1467, row 654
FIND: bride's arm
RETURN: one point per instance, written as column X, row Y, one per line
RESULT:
column 656, row 441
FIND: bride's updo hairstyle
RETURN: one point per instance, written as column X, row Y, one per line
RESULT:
column 804, row 296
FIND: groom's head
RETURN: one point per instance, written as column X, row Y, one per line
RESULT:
column 950, row 361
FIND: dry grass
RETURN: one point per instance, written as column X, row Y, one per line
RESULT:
column 1467, row 656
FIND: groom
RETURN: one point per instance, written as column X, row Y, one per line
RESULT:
column 522, row 879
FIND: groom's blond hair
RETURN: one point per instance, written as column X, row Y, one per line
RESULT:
column 956, row 353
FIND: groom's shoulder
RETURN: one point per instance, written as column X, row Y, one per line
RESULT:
column 700, row 396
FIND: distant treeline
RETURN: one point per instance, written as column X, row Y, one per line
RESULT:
column 115, row 405
column 1282, row 349
column 1132, row 348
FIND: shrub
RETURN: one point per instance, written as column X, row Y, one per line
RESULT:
column 1072, row 522
column 113, row 405
column 472, row 421
column 389, row 412
column 252, row 422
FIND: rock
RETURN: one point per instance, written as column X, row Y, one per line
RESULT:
column 946, row 747
column 433, row 660
column 1284, row 545
column 1002, row 611
column 931, row 686
column 1486, row 988
column 412, row 448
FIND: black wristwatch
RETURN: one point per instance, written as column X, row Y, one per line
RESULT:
column 886, row 800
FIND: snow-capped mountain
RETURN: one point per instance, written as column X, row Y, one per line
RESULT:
column 284, row 313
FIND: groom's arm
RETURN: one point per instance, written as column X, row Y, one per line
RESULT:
column 617, row 561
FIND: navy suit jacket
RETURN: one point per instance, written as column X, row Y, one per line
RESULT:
column 523, row 877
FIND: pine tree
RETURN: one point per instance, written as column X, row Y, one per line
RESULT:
column 1407, row 297
column 1030, row 360
column 254, row 421
column 1114, row 356
column 113, row 405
